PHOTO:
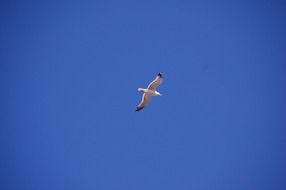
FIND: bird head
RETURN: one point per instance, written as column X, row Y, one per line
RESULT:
column 158, row 93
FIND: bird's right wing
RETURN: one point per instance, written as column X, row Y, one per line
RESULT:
column 155, row 83
column 144, row 102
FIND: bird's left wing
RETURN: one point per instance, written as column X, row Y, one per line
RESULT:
column 144, row 102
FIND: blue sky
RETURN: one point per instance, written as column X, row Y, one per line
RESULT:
column 69, row 75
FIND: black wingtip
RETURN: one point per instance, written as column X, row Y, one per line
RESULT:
column 138, row 109
column 160, row 75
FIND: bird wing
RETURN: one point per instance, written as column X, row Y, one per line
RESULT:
column 155, row 83
column 144, row 102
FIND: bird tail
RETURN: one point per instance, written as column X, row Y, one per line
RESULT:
column 140, row 89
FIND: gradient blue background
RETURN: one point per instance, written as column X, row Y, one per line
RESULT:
column 69, row 77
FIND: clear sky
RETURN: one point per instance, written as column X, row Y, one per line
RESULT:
column 69, row 73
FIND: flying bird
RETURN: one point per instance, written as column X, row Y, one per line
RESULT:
column 149, row 92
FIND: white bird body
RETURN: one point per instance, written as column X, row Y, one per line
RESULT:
column 149, row 92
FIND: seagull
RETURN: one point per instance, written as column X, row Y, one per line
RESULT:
column 149, row 92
